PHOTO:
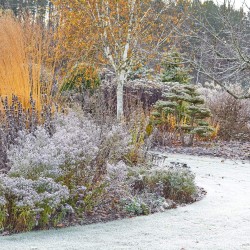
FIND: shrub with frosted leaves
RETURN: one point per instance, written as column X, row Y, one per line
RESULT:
column 118, row 140
column 39, row 154
column 25, row 203
column 76, row 139
column 117, row 175
column 117, row 171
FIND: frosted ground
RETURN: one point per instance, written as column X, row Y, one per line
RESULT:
column 220, row 221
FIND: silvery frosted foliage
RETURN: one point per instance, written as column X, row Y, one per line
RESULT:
column 39, row 154
column 2, row 201
column 3, row 147
column 76, row 138
column 175, row 182
column 35, row 154
column 117, row 189
column 117, row 176
column 118, row 140
column 32, row 194
column 50, row 192
column 14, row 117
column 117, row 171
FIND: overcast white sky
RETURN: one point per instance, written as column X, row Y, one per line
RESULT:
column 238, row 3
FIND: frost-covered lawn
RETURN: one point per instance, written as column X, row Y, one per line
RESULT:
column 220, row 221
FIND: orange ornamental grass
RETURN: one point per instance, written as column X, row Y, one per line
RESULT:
column 21, row 61
column 14, row 66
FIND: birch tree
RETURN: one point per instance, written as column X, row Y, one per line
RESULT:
column 117, row 33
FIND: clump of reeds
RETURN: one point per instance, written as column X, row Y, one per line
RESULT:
column 24, row 52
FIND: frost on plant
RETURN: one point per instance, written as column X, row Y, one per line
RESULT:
column 79, row 169
column 25, row 203
column 39, row 154
column 118, row 171
column 25, row 192
column 76, row 139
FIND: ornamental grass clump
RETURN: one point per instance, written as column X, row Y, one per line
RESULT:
column 25, row 57
column 14, row 63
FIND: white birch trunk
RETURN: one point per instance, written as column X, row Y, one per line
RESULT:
column 119, row 93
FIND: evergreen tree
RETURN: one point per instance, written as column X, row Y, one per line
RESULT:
column 182, row 102
column 173, row 68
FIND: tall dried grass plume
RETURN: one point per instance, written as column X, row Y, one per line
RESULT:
column 23, row 51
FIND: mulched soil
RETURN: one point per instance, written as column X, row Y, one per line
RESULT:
column 230, row 150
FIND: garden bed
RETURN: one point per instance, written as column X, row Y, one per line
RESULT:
column 81, row 173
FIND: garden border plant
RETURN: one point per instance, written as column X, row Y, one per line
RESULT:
column 91, row 169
